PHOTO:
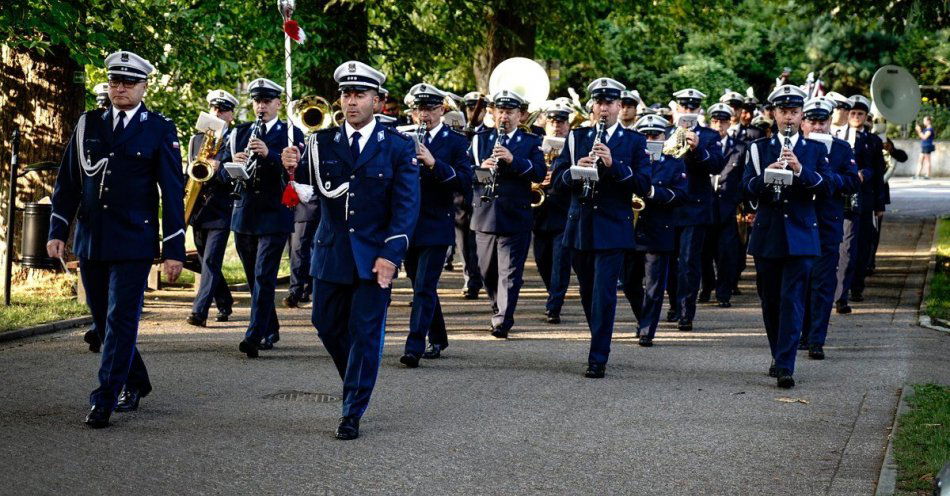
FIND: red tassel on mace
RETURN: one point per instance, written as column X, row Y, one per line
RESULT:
column 290, row 199
column 293, row 31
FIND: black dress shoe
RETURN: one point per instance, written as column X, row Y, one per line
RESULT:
column 470, row 294
column 802, row 344
column 645, row 341
column 433, row 351
column 305, row 298
column 686, row 325
column 773, row 372
column 128, row 400
column 842, row 307
column 196, row 320
column 349, row 428
column 448, row 267
column 595, row 371
column 410, row 361
column 92, row 338
column 858, row 297
column 672, row 316
column 554, row 318
column 98, row 417
column 499, row 333
column 248, row 348
column 223, row 315
column 703, row 298
column 785, row 379
column 724, row 304
column 265, row 345
column 816, row 352
column 290, row 301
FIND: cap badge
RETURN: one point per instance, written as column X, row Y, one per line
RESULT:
column 787, row 89
column 124, row 57
column 603, row 82
column 351, row 67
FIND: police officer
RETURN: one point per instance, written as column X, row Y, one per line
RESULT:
column 211, row 222
column 746, row 131
column 784, row 240
column 507, row 161
column 630, row 103
column 261, row 223
column 117, row 164
column 367, row 178
column 102, row 95
column 645, row 267
column 841, row 182
column 444, row 170
column 839, row 118
column 722, row 238
column 551, row 256
column 873, row 191
column 476, row 105
column 703, row 159
column 734, row 101
column 600, row 223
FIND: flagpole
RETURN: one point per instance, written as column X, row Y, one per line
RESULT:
column 290, row 97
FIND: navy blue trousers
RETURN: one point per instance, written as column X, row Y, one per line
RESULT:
column 211, row 244
column 465, row 243
column 501, row 259
column 424, row 266
column 686, row 270
column 862, row 261
column 820, row 295
column 597, row 274
column 260, row 256
column 301, row 240
column 847, row 256
column 644, row 281
column 554, row 263
column 351, row 321
column 720, row 263
column 781, row 285
column 114, row 294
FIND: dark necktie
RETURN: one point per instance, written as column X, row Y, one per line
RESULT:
column 426, row 140
column 120, row 126
column 355, row 145
column 788, row 143
column 503, row 140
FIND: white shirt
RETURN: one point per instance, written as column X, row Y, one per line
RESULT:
column 128, row 116
column 793, row 139
column 365, row 132
column 269, row 124
column 435, row 132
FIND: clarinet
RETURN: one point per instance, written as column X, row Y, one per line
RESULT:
column 489, row 194
column 777, row 188
column 250, row 165
column 589, row 187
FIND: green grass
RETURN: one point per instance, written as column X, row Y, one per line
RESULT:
column 44, row 298
column 938, row 302
column 232, row 269
column 922, row 444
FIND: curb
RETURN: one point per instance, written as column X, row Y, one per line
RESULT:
column 924, row 320
column 45, row 328
column 887, row 478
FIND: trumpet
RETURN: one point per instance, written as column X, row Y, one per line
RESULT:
column 589, row 188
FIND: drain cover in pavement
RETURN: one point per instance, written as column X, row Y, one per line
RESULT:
column 303, row 396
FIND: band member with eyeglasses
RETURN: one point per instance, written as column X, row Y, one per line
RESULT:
column 367, row 177
column 842, row 181
column 211, row 222
column 720, row 271
column 703, row 159
column 444, row 170
column 645, row 266
column 551, row 256
column 121, row 165
column 785, row 237
column 261, row 223
column 507, row 160
column 600, row 222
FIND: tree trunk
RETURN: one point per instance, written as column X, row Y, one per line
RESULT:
column 345, row 37
column 509, row 33
column 43, row 95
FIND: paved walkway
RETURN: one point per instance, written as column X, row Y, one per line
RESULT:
column 695, row 414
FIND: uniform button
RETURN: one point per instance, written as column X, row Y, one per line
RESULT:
column 595, row 207
column 352, row 212
column 105, row 207
column 786, row 216
column 352, row 177
column 784, row 201
column 105, row 189
column 108, row 172
column 352, row 195
column 112, row 154
column 146, row 221
column 138, row 154
column 352, row 230
column 380, row 175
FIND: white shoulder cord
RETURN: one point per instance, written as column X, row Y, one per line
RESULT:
column 475, row 150
column 570, row 146
column 758, row 169
column 314, row 149
column 84, row 162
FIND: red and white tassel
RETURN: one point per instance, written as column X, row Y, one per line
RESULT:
column 293, row 30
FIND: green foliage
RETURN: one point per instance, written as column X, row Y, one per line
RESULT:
column 922, row 442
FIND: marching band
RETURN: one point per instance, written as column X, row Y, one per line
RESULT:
column 633, row 198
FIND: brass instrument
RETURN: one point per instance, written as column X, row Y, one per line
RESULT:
column 312, row 113
column 203, row 167
column 677, row 145
column 537, row 195
column 637, row 204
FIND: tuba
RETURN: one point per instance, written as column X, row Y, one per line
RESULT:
column 896, row 94
column 203, row 167
column 312, row 113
